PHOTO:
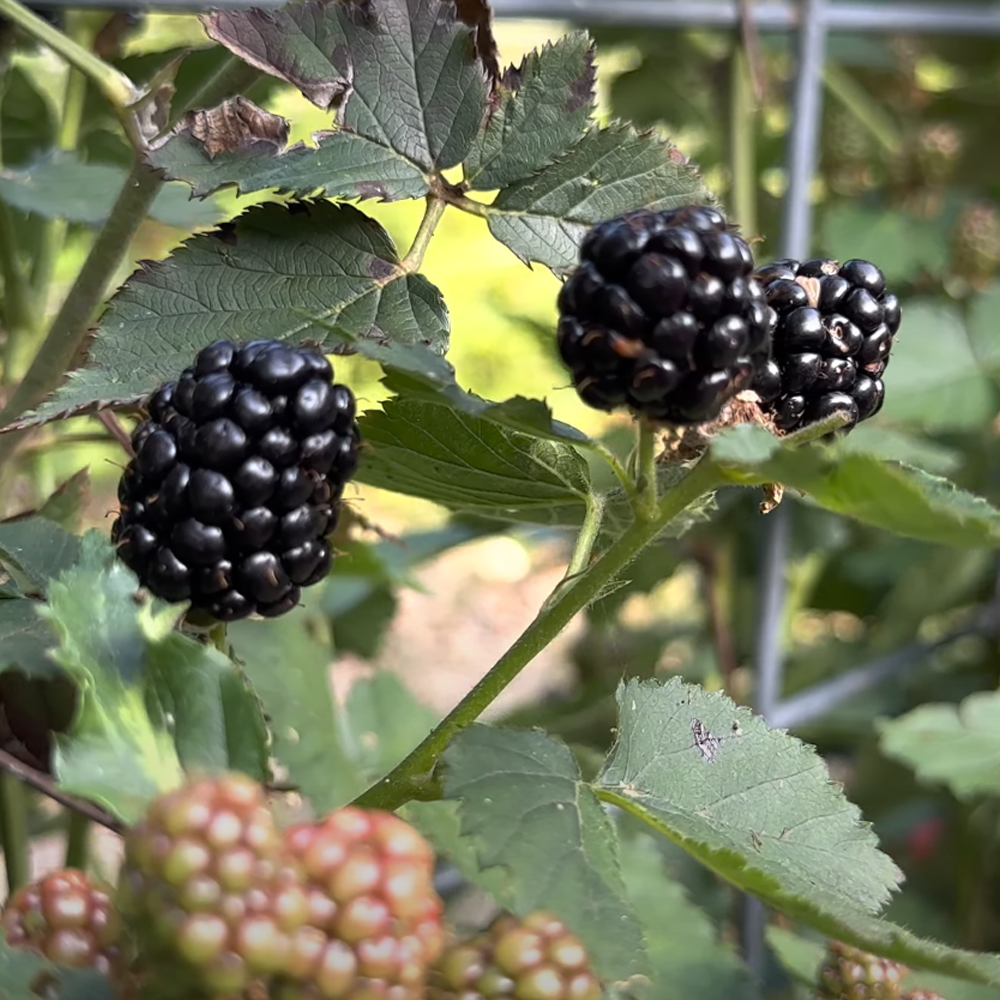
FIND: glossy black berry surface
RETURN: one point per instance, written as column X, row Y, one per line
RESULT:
column 662, row 315
column 237, row 479
column 836, row 326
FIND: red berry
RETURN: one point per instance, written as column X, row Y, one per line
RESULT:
column 532, row 958
column 67, row 917
column 849, row 973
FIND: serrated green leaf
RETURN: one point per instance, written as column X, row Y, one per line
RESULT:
column 526, row 808
column 59, row 185
column 290, row 671
column 471, row 465
column 403, row 73
column 115, row 753
column 755, row 804
column 35, row 550
column 339, row 164
column 955, row 745
column 275, row 274
column 185, row 683
column 936, row 379
column 609, row 171
column 25, row 638
column 886, row 495
column 246, row 728
column 383, row 722
column 544, row 108
column 684, row 949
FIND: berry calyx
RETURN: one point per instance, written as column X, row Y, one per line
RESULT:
column 835, row 331
column 237, row 479
column 373, row 923
column 209, row 906
column 529, row 958
column 849, row 973
column 69, row 918
column 661, row 315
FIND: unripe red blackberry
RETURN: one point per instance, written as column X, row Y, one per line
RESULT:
column 208, row 903
column 849, row 973
column 836, row 326
column 374, row 919
column 67, row 917
column 661, row 315
column 532, row 958
column 237, row 479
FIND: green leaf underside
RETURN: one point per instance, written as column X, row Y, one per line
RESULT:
column 955, row 745
column 403, row 73
column 115, row 753
column 686, row 955
column 61, row 186
column 765, row 816
column 886, row 495
column 763, row 813
column 289, row 669
column 526, row 809
column 273, row 274
column 25, row 638
column 26, row 975
column 545, row 105
column 246, row 727
column 35, row 550
column 471, row 465
column 611, row 170
column 340, row 164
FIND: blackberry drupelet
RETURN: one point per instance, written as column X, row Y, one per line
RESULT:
column 210, row 907
column 532, row 958
column 662, row 315
column 67, row 917
column 848, row 973
column 237, row 479
column 836, row 325
column 374, row 920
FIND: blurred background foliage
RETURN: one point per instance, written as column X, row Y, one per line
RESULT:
column 907, row 177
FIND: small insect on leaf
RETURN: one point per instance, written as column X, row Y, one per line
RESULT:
column 704, row 740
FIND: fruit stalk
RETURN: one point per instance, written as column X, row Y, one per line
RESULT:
column 398, row 786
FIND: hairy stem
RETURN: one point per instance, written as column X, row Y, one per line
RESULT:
column 116, row 87
column 742, row 158
column 77, row 840
column 621, row 473
column 589, row 531
column 69, row 327
column 396, row 788
column 433, row 212
column 14, row 832
column 646, row 501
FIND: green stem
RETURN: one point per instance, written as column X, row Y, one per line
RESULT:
column 860, row 103
column 646, row 501
column 396, row 788
column 70, row 325
column 742, row 151
column 14, row 831
column 467, row 204
column 77, row 840
column 433, row 212
column 116, row 87
column 16, row 311
column 621, row 473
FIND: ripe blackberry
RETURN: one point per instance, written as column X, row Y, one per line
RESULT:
column 374, row 920
column 534, row 958
column 237, row 479
column 852, row 974
column 67, row 917
column 661, row 315
column 836, row 325
column 209, row 906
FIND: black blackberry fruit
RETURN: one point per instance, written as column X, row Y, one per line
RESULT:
column 662, row 315
column 836, row 325
column 237, row 479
